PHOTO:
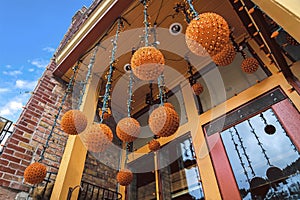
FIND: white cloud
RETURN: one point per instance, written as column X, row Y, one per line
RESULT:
column 3, row 90
column 12, row 73
column 8, row 66
column 40, row 63
column 12, row 109
column 49, row 49
column 31, row 70
column 23, row 84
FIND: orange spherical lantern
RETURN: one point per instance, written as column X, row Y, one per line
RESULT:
column 197, row 88
column 208, row 34
column 73, row 122
column 147, row 63
column 226, row 56
column 35, row 173
column 124, row 177
column 128, row 129
column 164, row 121
column 97, row 137
column 169, row 105
column 250, row 65
column 106, row 114
column 154, row 145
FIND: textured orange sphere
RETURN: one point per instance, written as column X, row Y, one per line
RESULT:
column 226, row 56
column 163, row 121
column 128, row 129
column 106, row 114
column 97, row 137
column 208, row 34
column 124, row 177
column 73, row 122
column 154, row 145
column 147, row 63
column 250, row 65
column 169, row 105
column 197, row 88
column 35, row 173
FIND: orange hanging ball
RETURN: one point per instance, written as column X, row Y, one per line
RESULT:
column 207, row 34
column 154, row 145
column 147, row 63
column 97, row 137
column 35, row 173
column 169, row 105
column 163, row 121
column 226, row 56
column 128, row 129
column 250, row 65
column 73, row 122
column 124, row 177
column 197, row 88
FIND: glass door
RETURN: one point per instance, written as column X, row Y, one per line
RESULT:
column 179, row 174
column 256, row 155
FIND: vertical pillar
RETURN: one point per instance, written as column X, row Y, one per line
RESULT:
column 73, row 160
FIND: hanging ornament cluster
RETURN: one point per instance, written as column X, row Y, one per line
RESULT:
column 124, row 177
column 164, row 121
column 73, row 122
column 154, row 145
column 97, row 137
column 270, row 129
column 250, row 65
column 226, row 56
column 35, row 173
column 207, row 33
column 197, row 88
column 128, row 129
column 147, row 63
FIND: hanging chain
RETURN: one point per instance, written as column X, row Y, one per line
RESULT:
column 259, row 143
column 183, row 8
column 161, row 87
column 68, row 91
column 239, row 155
column 244, row 150
column 195, row 158
column 129, row 101
column 292, row 144
column 88, row 75
column 263, row 118
column 161, row 78
column 106, row 97
column 192, row 10
column 146, row 22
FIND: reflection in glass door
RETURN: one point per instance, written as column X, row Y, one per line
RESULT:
column 179, row 174
column 264, row 161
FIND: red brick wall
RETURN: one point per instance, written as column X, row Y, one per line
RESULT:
column 32, row 130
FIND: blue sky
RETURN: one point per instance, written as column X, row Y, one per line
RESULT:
column 30, row 31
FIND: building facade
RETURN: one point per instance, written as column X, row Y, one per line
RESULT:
column 237, row 139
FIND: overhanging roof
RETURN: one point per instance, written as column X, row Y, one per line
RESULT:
column 94, row 27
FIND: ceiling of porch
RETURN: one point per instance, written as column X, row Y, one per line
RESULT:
column 173, row 47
